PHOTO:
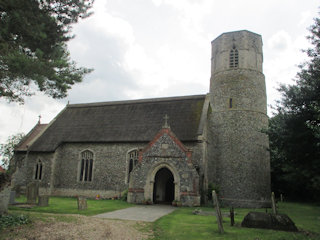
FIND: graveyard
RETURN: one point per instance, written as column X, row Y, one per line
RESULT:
column 65, row 219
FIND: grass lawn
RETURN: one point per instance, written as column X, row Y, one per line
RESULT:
column 64, row 205
column 182, row 224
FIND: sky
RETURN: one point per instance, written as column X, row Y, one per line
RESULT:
column 160, row 48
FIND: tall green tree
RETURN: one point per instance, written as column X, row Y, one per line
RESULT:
column 33, row 37
column 7, row 148
column 294, row 131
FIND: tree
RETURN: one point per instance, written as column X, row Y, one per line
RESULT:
column 294, row 131
column 7, row 149
column 33, row 50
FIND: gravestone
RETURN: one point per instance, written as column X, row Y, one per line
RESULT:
column 268, row 221
column 43, row 201
column 32, row 192
column 82, row 203
column 4, row 200
column 12, row 197
column 216, row 206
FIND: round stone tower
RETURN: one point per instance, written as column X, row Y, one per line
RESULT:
column 239, row 164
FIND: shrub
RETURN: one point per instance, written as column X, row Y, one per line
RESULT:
column 124, row 195
column 13, row 220
column 211, row 187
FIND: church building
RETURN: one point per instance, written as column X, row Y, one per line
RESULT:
column 163, row 149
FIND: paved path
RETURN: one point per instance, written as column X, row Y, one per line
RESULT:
column 146, row 213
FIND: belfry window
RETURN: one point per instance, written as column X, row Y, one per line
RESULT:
column 234, row 58
column 38, row 172
column 86, row 166
column 132, row 162
column 230, row 103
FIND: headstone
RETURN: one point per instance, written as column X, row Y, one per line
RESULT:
column 82, row 203
column 43, row 201
column 4, row 200
column 32, row 192
column 273, row 204
column 268, row 221
column 232, row 216
column 281, row 197
column 12, row 197
column 216, row 206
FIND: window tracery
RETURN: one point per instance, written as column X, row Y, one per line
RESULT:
column 86, row 166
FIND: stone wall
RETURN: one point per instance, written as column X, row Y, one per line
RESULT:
column 109, row 169
column 60, row 172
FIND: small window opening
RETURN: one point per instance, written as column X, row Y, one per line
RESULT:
column 86, row 166
column 38, row 173
column 132, row 161
column 234, row 58
column 230, row 103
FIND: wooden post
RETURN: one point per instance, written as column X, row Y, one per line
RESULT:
column 273, row 204
column 232, row 216
column 218, row 212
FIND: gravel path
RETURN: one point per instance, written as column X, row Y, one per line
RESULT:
column 65, row 227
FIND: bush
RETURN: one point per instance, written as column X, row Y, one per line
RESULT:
column 211, row 187
column 124, row 195
column 4, row 179
column 13, row 220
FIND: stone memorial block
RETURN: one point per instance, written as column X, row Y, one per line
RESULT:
column 268, row 221
column 32, row 192
column 4, row 200
column 43, row 201
column 82, row 203
column 12, row 197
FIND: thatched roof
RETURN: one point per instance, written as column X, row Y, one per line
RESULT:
column 123, row 121
column 27, row 141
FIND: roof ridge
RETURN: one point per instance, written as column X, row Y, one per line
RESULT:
column 135, row 101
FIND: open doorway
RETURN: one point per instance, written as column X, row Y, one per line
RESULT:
column 163, row 190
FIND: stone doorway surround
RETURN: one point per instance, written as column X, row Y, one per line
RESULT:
column 163, row 190
column 151, row 177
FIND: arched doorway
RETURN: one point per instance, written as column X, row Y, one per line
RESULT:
column 163, row 190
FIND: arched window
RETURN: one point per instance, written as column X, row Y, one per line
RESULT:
column 234, row 58
column 86, row 166
column 132, row 162
column 38, row 172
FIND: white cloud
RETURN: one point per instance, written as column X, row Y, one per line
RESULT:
column 143, row 48
column 279, row 41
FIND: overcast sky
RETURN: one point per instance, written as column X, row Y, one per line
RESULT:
column 159, row 48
